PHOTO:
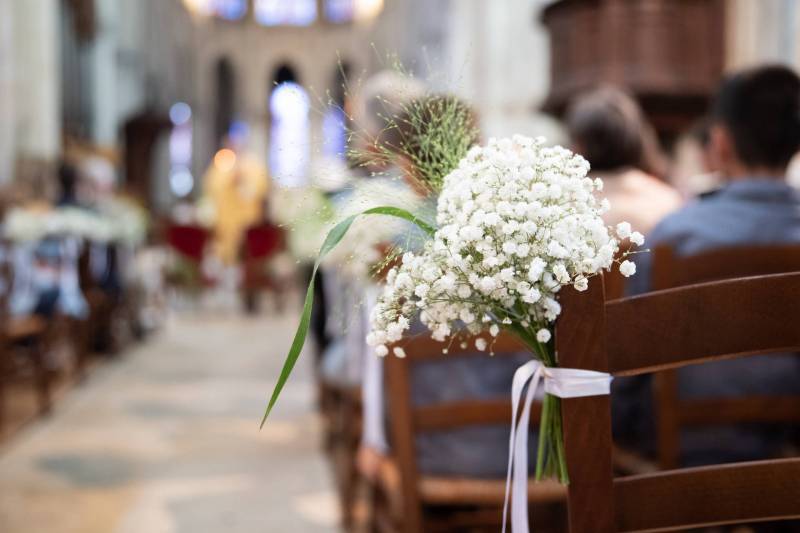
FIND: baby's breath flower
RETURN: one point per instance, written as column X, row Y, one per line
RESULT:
column 623, row 230
column 516, row 222
column 543, row 335
column 637, row 238
column 627, row 268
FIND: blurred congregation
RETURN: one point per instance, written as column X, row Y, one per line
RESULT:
column 169, row 170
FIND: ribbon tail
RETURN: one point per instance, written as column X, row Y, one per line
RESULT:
column 519, row 483
column 521, row 377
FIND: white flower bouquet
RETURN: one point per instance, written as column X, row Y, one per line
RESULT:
column 118, row 221
column 24, row 225
column 517, row 221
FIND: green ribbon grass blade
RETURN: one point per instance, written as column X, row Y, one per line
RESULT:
column 333, row 238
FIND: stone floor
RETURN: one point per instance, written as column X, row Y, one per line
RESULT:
column 166, row 440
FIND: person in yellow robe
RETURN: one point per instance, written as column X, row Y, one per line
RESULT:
column 237, row 185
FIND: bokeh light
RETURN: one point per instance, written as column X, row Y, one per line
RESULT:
column 181, row 182
column 225, row 160
column 180, row 113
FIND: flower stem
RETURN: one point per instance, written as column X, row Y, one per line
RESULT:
column 550, row 456
column 551, row 460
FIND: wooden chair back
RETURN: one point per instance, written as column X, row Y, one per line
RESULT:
column 407, row 420
column 673, row 412
column 6, row 278
column 661, row 330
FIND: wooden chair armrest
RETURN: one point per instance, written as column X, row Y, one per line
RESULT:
column 23, row 327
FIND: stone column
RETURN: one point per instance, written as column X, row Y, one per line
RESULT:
column 105, row 103
column 761, row 32
column 7, row 145
column 36, row 36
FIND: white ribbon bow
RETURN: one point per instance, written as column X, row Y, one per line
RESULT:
column 561, row 382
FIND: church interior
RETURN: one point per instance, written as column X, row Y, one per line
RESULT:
column 168, row 172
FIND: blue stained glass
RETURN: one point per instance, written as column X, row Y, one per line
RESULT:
column 339, row 10
column 334, row 133
column 289, row 148
column 230, row 9
column 286, row 12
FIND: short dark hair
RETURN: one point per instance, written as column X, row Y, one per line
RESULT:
column 609, row 129
column 761, row 110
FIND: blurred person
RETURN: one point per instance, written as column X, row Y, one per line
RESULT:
column 237, row 185
column 606, row 126
column 694, row 171
column 46, row 280
column 381, row 98
column 377, row 105
column 68, row 185
column 755, row 132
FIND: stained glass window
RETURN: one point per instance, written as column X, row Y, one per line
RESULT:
column 334, row 121
column 339, row 11
column 230, row 9
column 285, row 12
column 334, row 133
column 289, row 148
column 180, row 150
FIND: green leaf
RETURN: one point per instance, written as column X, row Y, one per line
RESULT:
column 400, row 213
column 333, row 238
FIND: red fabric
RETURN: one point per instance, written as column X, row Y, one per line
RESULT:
column 263, row 241
column 189, row 241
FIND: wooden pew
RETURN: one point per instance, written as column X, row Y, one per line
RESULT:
column 341, row 411
column 29, row 334
column 413, row 502
column 672, row 412
column 663, row 330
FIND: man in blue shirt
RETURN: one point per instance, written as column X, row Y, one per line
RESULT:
column 754, row 135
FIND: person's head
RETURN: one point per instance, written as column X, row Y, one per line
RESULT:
column 606, row 126
column 382, row 97
column 68, row 182
column 756, row 123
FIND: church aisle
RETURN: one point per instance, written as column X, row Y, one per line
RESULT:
column 166, row 440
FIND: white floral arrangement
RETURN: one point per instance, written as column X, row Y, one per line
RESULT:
column 82, row 223
column 517, row 221
column 120, row 222
column 359, row 252
column 24, row 225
